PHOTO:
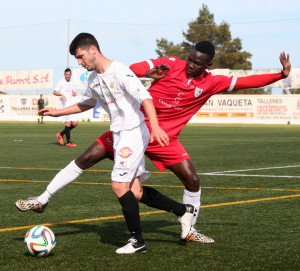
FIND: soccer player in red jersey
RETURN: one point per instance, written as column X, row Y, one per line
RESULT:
column 180, row 88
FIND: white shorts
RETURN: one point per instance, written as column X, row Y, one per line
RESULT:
column 129, row 149
column 69, row 118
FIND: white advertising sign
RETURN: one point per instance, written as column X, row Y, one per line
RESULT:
column 260, row 109
column 24, row 108
column 26, row 80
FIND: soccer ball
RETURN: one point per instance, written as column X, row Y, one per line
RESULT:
column 39, row 241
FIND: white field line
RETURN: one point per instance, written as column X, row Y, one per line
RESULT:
column 225, row 173
column 248, row 175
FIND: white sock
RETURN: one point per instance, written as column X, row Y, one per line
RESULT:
column 67, row 175
column 193, row 198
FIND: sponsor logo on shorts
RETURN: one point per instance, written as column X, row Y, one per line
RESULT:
column 123, row 165
column 125, row 152
column 109, row 141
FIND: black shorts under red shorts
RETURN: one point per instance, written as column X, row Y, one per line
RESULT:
column 161, row 157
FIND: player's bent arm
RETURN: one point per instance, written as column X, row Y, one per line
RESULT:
column 156, row 132
column 57, row 93
column 140, row 68
column 143, row 69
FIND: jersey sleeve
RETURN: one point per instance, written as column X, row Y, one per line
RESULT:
column 167, row 60
column 131, row 84
column 258, row 80
column 140, row 68
column 58, row 86
column 87, row 98
column 221, row 83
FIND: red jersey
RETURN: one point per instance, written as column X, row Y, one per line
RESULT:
column 177, row 97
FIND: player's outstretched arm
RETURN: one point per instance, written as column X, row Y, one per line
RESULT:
column 261, row 80
column 73, row 109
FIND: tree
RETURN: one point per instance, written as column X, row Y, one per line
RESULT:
column 229, row 52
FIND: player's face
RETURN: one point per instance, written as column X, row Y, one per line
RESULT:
column 68, row 76
column 196, row 63
column 86, row 58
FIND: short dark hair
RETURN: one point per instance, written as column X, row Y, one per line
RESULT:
column 67, row 70
column 83, row 41
column 206, row 47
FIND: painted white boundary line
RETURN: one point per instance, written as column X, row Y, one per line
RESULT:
column 247, row 175
column 225, row 173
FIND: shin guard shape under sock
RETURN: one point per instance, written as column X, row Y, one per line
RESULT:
column 130, row 209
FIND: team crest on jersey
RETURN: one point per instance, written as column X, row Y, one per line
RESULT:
column 111, row 85
column 125, row 152
column 198, row 92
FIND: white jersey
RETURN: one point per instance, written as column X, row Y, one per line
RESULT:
column 66, row 88
column 120, row 93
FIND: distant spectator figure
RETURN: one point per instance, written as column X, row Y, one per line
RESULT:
column 66, row 90
column 41, row 105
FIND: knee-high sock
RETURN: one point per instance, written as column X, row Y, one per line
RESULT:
column 131, row 212
column 193, row 198
column 63, row 132
column 67, row 175
column 72, row 127
column 153, row 198
column 68, row 134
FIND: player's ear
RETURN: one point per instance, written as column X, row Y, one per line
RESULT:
column 93, row 49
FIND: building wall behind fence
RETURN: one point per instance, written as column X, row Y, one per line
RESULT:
column 256, row 109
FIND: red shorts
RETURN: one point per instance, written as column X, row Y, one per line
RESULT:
column 160, row 156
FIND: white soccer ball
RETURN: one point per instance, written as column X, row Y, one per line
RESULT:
column 39, row 241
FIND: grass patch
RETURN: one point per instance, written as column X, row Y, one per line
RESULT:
column 250, row 201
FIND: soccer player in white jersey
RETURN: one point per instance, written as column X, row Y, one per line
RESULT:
column 65, row 88
column 186, row 86
column 121, row 94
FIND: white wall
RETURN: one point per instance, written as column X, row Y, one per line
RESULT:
column 256, row 109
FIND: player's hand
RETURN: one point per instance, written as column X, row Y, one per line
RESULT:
column 158, row 71
column 160, row 135
column 48, row 111
column 286, row 64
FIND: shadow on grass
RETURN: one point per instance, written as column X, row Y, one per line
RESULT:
column 115, row 232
